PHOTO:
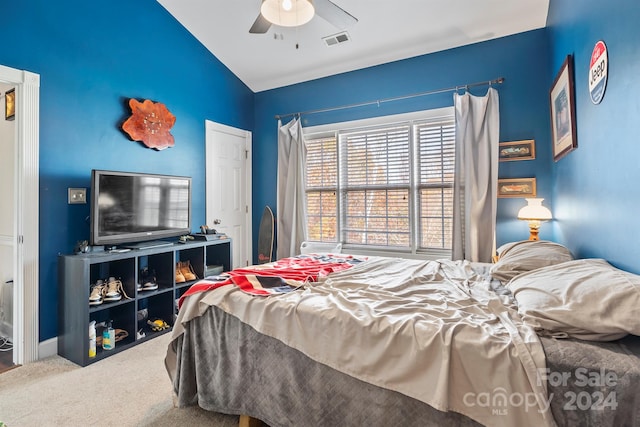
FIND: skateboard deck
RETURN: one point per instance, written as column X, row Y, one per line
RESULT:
column 265, row 237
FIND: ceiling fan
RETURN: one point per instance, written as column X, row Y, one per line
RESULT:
column 292, row 13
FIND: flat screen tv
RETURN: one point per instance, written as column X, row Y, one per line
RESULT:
column 138, row 207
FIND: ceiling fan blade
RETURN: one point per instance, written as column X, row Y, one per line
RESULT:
column 334, row 14
column 260, row 26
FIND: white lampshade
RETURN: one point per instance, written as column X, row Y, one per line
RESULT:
column 534, row 211
column 287, row 13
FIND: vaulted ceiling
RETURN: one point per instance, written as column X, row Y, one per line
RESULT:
column 386, row 31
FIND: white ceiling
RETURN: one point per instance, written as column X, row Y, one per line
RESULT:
column 386, row 31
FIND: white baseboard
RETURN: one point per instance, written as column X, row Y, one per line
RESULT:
column 48, row 348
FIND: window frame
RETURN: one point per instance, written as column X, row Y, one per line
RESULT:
column 333, row 130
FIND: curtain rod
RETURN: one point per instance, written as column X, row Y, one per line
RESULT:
column 499, row 80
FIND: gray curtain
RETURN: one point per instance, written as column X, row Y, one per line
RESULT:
column 291, row 227
column 476, row 176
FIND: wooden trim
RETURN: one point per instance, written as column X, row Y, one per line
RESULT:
column 247, row 421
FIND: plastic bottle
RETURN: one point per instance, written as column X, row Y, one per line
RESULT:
column 109, row 337
column 112, row 336
column 92, row 338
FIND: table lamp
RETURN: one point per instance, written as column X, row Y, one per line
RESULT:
column 535, row 213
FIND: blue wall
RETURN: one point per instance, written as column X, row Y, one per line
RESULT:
column 596, row 191
column 521, row 59
column 92, row 57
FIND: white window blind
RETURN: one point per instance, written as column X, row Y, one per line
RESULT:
column 385, row 187
column 321, row 188
column 436, row 156
column 375, row 186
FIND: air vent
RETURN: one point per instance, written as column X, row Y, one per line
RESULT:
column 336, row 39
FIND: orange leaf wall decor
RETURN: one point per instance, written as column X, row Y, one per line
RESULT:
column 150, row 122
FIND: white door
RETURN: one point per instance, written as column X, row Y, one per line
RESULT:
column 228, row 187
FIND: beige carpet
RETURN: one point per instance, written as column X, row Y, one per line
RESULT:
column 130, row 388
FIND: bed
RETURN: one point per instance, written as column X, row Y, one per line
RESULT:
column 339, row 340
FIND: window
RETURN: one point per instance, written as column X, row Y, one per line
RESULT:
column 321, row 188
column 383, row 186
column 375, row 186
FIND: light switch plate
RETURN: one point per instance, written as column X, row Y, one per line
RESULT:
column 77, row 195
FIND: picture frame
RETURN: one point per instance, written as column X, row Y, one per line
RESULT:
column 516, row 187
column 10, row 104
column 563, row 111
column 517, row 150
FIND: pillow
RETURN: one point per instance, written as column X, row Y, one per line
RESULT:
column 520, row 257
column 508, row 246
column 587, row 299
column 320, row 247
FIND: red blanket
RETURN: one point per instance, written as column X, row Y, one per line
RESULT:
column 280, row 277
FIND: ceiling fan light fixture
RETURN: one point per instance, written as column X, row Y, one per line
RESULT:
column 287, row 13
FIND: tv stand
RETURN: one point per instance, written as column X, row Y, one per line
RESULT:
column 77, row 273
column 148, row 244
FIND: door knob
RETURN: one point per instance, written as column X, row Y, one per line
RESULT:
column 217, row 221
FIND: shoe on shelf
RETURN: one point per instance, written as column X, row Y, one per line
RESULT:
column 147, row 280
column 114, row 290
column 179, row 277
column 187, row 271
column 97, row 291
column 150, row 286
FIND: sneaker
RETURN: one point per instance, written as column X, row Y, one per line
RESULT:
column 147, row 280
column 114, row 290
column 97, row 292
column 150, row 286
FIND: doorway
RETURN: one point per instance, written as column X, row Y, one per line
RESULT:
column 19, row 223
column 7, row 240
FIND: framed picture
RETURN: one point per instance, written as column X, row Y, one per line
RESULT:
column 10, row 104
column 519, row 187
column 563, row 111
column 517, row 150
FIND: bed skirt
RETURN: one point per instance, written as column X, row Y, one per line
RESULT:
column 242, row 372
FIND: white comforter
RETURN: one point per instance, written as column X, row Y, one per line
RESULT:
column 434, row 331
